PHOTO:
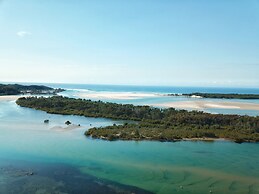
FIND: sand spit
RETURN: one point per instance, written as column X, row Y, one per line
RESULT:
column 9, row 98
column 200, row 105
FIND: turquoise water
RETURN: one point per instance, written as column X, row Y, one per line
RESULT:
column 184, row 167
column 157, row 95
column 63, row 160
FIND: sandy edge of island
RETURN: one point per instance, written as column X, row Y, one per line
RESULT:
column 200, row 105
column 10, row 98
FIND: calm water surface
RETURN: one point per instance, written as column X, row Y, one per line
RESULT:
column 51, row 158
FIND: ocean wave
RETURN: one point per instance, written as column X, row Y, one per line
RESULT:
column 79, row 90
column 116, row 95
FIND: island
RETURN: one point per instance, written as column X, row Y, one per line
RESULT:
column 17, row 89
column 219, row 95
column 150, row 123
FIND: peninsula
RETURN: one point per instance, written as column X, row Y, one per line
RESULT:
column 150, row 123
column 17, row 89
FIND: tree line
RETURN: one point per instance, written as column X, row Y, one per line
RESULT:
column 16, row 89
column 152, row 123
column 226, row 96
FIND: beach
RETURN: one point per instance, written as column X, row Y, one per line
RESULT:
column 9, row 98
column 200, row 105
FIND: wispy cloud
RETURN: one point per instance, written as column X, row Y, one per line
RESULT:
column 23, row 33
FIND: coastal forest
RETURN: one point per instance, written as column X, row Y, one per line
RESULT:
column 150, row 123
column 16, row 89
column 225, row 96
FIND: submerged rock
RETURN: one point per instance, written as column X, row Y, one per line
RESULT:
column 46, row 121
column 68, row 123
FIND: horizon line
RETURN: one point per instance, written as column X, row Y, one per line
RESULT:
column 131, row 85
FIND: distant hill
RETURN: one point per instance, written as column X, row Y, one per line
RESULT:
column 16, row 89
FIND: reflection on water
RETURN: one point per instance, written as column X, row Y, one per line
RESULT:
column 65, row 160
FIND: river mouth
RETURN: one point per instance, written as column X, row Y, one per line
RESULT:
column 42, row 158
column 31, row 177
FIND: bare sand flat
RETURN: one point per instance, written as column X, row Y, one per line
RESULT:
column 209, row 104
column 67, row 128
column 9, row 98
column 116, row 95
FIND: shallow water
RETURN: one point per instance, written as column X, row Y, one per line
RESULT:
column 151, row 95
column 27, row 144
column 31, row 177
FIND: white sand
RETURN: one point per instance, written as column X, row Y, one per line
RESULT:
column 9, row 98
column 116, row 95
column 209, row 104
column 221, row 106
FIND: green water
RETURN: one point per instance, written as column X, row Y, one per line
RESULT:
column 180, row 167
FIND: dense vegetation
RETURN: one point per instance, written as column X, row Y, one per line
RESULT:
column 153, row 123
column 227, row 96
column 15, row 89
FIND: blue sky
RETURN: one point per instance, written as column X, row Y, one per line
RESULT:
column 135, row 42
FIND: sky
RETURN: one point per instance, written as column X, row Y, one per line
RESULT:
column 130, row 42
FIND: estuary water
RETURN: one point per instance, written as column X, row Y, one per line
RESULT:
column 151, row 95
column 53, row 158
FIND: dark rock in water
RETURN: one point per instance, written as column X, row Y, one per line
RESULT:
column 46, row 121
column 68, row 123
column 239, row 141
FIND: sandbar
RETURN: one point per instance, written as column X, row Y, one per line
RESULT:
column 200, row 105
column 9, row 98
column 67, row 128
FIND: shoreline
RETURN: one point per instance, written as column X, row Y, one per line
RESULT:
column 201, row 105
column 199, row 139
column 10, row 97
